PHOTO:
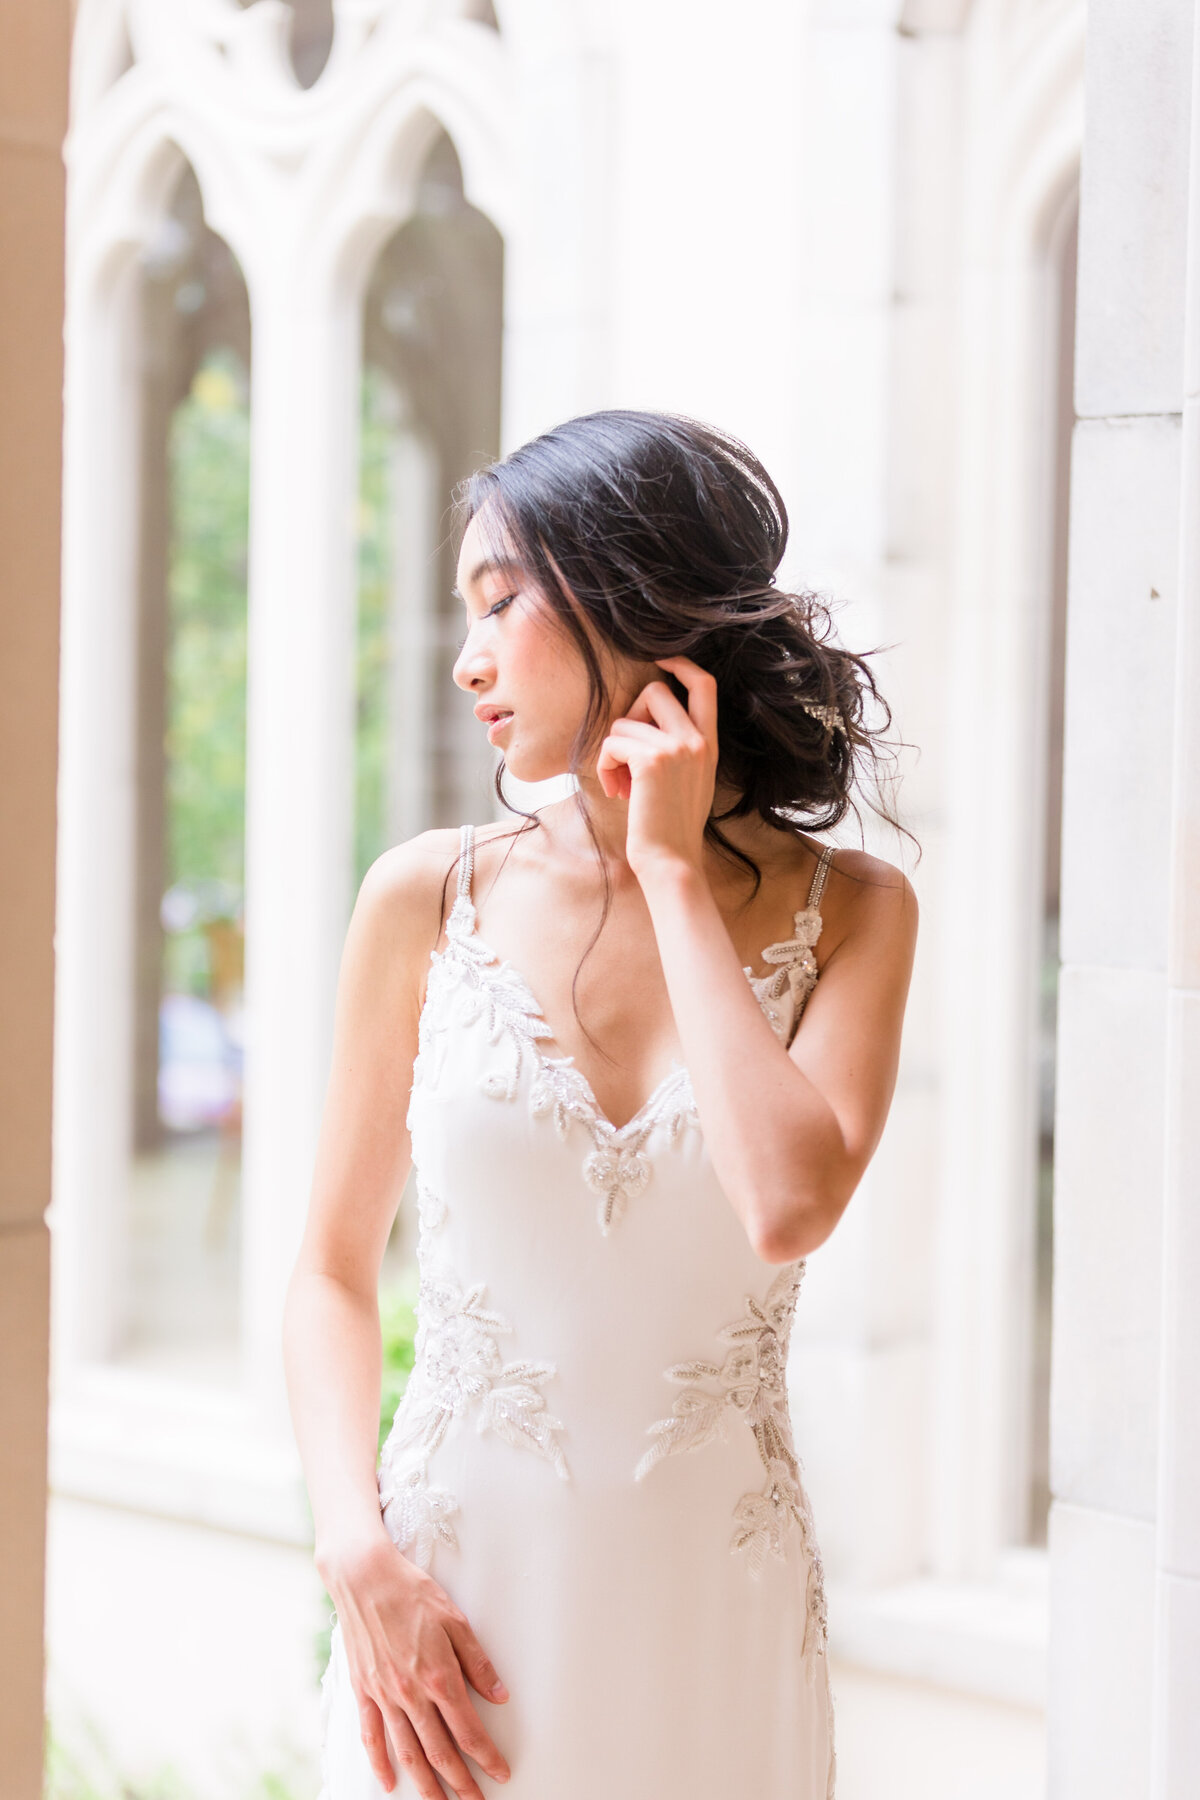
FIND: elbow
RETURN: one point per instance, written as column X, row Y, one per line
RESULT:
column 784, row 1235
column 786, row 1240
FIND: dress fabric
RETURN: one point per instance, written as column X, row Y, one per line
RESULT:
column 594, row 1455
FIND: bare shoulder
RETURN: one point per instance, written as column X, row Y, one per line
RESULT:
column 866, row 895
column 398, row 914
column 411, row 875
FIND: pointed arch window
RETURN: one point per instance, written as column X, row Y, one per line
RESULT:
column 182, row 1235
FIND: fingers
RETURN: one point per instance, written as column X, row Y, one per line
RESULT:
column 635, row 729
column 444, row 1755
column 701, row 687
column 416, row 1714
column 616, row 778
column 429, row 1754
column 454, row 1704
column 423, row 1748
column 371, row 1731
column 474, row 1661
column 410, row 1758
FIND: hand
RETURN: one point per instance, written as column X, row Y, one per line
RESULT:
column 409, row 1648
column 662, row 758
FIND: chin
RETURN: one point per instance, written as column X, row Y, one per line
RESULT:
column 524, row 767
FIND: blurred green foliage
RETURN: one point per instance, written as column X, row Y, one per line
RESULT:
column 87, row 1770
column 398, row 1323
column 209, row 452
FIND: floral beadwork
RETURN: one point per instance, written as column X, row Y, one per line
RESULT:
column 482, row 986
column 418, row 1515
column 796, row 972
column 616, row 1167
column 751, row 1382
column 458, row 1367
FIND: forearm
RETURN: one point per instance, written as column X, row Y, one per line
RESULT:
column 775, row 1142
column 333, row 1359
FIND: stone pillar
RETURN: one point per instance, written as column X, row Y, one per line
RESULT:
column 1125, row 1424
column 299, row 745
column 1175, row 1739
column 33, row 119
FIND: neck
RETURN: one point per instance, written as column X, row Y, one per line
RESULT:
column 610, row 818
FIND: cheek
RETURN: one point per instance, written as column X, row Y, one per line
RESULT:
column 545, row 664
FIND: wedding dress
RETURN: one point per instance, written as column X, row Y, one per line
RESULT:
column 594, row 1455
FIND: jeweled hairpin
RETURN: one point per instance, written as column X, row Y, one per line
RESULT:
column 825, row 715
column 829, row 716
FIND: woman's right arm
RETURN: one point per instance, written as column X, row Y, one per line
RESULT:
column 408, row 1646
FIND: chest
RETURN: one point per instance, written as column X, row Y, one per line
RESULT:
column 471, row 990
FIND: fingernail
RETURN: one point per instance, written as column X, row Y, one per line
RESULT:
column 499, row 1691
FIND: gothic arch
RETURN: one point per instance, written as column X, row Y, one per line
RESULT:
column 101, row 53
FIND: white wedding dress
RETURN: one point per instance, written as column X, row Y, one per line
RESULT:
column 594, row 1455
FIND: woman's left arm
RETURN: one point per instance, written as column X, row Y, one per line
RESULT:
column 789, row 1131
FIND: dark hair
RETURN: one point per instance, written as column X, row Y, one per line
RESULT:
column 664, row 536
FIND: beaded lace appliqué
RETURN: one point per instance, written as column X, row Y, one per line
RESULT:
column 481, row 987
column 751, row 1382
column 459, row 1367
column 470, row 976
column 796, row 972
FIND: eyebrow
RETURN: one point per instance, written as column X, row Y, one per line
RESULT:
column 490, row 565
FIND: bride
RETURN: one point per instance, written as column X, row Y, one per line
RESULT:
column 639, row 1063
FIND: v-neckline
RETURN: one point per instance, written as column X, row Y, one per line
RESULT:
column 503, row 965
column 678, row 1071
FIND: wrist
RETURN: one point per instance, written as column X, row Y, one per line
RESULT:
column 341, row 1554
column 668, row 879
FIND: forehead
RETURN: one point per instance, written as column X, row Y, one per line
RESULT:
column 485, row 551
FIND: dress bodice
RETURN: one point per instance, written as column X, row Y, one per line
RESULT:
column 587, row 1294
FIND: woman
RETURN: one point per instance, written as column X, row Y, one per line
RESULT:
column 625, row 1142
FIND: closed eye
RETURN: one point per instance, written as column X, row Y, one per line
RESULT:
column 491, row 613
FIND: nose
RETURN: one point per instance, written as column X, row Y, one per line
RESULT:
column 472, row 665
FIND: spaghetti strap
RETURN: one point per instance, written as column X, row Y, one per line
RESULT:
column 466, row 859
column 820, row 877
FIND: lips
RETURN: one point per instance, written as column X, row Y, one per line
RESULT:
column 489, row 714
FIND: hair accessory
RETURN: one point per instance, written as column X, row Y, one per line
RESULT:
column 825, row 715
column 829, row 716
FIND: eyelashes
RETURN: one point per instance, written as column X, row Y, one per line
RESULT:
column 491, row 613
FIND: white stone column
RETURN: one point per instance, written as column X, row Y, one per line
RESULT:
column 1108, row 1476
column 94, row 900
column 1175, row 1743
column 299, row 748
column 557, row 224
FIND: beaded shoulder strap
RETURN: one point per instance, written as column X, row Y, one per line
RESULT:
column 466, row 859
column 820, row 876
